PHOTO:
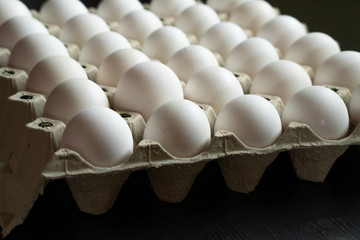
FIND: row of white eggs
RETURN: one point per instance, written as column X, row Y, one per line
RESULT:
column 145, row 68
column 156, row 46
column 216, row 39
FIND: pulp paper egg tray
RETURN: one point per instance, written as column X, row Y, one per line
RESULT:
column 30, row 154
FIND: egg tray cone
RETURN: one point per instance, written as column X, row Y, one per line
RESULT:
column 22, row 108
column 4, row 56
column 30, row 144
column 73, row 50
column 11, row 81
column 21, row 179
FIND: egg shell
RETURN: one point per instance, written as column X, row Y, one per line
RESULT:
column 312, row 49
column 170, row 8
column 197, row 19
column 253, row 119
column 321, row 108
column 11, row 8
column 253, row 15
column 226, row 6
column 60, row 11
column 282, row 31
column 223, row 37
column 17, row 28
column 72, row 96
column 191, row 59
column 145, row 87
column 164, row 42
column 117, row 63
column 97, row 48
column 81, row 28
column 100, row 135
column 115, row 10
column 280, row 78
column 220, row 5
column 52, row 71
column 354, row 105
column 139, row 25
column 235, row 4
column 251, row 55
column 33, row 48
column 181, row 127
column 215, row 86
column 341, row 69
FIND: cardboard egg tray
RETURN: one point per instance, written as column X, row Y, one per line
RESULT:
column 30, row 154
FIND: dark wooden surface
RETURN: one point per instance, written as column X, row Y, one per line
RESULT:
column 281, row 207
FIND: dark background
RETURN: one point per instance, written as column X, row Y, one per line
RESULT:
column 281, row 207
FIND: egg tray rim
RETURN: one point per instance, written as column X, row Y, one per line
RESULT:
column 294, row 131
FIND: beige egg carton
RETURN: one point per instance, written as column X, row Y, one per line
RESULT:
column 30, row 156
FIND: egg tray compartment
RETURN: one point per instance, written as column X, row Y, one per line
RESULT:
column 30, row 157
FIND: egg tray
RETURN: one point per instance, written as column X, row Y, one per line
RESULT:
column 30, row 156
column 29, row 141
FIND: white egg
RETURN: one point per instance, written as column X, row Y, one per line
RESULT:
column 115, row 10
column 251, row 55
column 253, row 119
column 234, row 4
column 170, row 8
column 341, row 69
column 312, row 49
column 17, row 28
column 97, row 48
column 81, row 28
column 253, row 15
column 223, row 37
column 191, row 59
column 52, row 71
column 226, row 5
column 11, row 8
column 100, row 135
column 354, row 105
column 215, row 86
column 197, row 19
column 145, row 87
column 139, row 25
column 220, row 5
column 117, row 63
column 281, row 78
column 60, row 11
column 164, row 42
column 72, row 96
column 33, row 48
column 321, row 108
column 181, row 127
column 282, row 31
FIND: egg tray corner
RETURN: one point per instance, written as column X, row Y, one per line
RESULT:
column 29, row 141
